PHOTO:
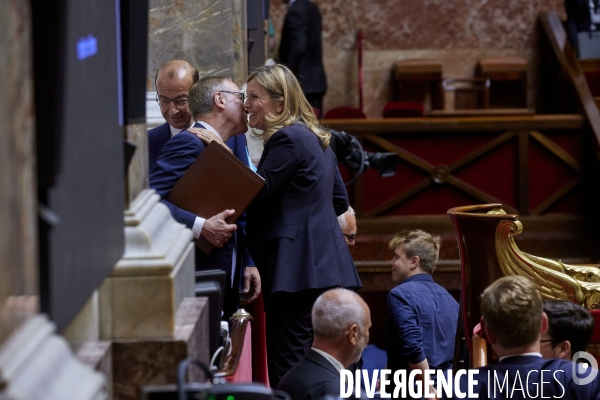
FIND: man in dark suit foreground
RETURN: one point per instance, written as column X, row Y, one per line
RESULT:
column 173, row 81
column 513, row 321
column 341, row 321
column 217, row 106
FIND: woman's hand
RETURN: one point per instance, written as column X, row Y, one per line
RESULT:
column 207, row 136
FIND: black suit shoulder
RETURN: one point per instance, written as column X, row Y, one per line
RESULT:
column 527, row 376
column 312, row 378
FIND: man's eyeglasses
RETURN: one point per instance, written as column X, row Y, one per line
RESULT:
column 350, row 237
column 241, row 94
column 163, row 102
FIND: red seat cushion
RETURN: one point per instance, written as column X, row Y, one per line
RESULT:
column 593, row 81
column 344, row 112
column 596, row 335
column 403, row 109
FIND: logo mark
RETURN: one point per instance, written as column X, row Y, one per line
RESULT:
column 586, row 371
column 87, row 47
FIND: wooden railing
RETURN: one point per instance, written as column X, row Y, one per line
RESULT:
column 562, row 87
column 532, row 164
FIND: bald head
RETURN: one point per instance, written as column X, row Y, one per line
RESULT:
column 173, row 81
column 341, row 321
column 337, row 309
column 177, row 68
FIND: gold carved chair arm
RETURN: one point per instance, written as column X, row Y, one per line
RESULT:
column 549, row 282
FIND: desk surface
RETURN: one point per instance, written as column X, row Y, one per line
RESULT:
column 480, row 112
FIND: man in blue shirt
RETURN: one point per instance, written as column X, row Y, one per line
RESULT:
column 422, row 316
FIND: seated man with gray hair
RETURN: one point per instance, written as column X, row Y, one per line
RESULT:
column 348, row 224
column 341, row 320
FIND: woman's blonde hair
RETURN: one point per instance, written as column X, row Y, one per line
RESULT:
column 282, row 85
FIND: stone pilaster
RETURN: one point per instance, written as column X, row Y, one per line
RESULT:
column 140, row 298
column 36, row 363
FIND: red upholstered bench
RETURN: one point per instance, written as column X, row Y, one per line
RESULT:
column 593, row 81
column 594, row 345
column 344, row 112
column 403, row 109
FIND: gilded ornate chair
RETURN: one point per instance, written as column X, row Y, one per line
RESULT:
column 488, row 251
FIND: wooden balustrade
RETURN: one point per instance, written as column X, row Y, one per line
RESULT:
column 450, row 161
column 562, row 86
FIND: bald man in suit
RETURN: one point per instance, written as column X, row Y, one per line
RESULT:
column 173, row 81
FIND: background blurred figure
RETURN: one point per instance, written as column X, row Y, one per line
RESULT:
column 341, row 320
column 293, row 233
column 348, row 224
column 570, row 327
column 301, row 50
column 173, row 81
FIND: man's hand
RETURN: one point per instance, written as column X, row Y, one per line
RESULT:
column 208, row 136
column 251, row 285
column 216, row 230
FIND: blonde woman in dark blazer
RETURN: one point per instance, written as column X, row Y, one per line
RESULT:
column 293, row 233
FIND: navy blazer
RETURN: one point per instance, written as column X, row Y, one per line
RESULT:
column 312, row 378
column 301, row 47
column 525, row 372
column 293, row 232
column 173, row 161
column 157, row 137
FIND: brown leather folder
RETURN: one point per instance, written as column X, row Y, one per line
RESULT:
column 216, row 181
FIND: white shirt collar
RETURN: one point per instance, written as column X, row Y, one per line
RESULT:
column 337, row 365
column 175, row 131
column 523, row 354
column 210, row 128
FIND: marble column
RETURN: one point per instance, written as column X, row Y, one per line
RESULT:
column 211, row 34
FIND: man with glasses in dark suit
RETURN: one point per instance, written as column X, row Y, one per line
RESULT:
column 173, row 81
column 218, row 108
column 570, row 327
